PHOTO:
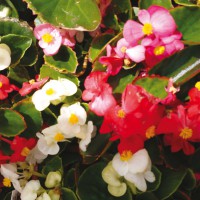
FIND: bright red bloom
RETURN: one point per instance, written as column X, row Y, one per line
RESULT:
column 21, row 147
column 28, row 87
column 6, row 87
column 3, row 158
column 99, row 92
column 179, row 131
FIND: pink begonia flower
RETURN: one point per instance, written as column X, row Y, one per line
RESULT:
column 68, row 37
column 28, row 87
column 49, row 37
column 99, row 92
column 155, row 20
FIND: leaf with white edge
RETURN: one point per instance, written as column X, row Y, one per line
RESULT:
column 92, row 187
column 191, row 26
column 72, row 14
column 154, row 85
column 68, row 194
column 65, row 61
column 13, row 123
column 16, row 27
column 181, row 66
column 32, row 116
column 185, row 3
column 144, row 4
column 18, row 46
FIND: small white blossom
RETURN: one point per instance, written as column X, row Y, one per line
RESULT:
column 4, row 12
column 5, row 56
column 54, row 92
column 44, row 196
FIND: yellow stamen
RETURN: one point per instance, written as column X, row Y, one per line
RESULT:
column 73, row 119
column 159, row 50
column 150, row 132
column 127, row 62
column 32, row 81
column 186, row 133
column 7, row 182
column 1, row 84
column 126, row 155
column 47, row 38
column 147, row 29
column 25, row 151
column 59, row 137
column 50, row 91
column 197, row 85
column 123, row 49
column 121, row 113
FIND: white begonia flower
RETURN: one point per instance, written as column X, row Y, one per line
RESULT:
column 54, row 92
column 136, row 168
column 9, row 172
column 87, row 131
column 48, row 141
column 71, row 119
column 44, row 196
column 35, row 156
column 5, row 56
column 4, row 12
column 30, row 190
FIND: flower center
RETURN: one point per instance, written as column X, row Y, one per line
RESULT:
column 126, row 155
column 1, row 84
column 186, row 133
column 50, row 91
column 159, row 50
column 150, row 132
column 59, row 137
column 147, row 29
column 121, row 113
column 73, row 119
column 32, row 81
column 197, row 85
column 25, row 151
column 7, row 182
column 47, row 38
column 123, row 49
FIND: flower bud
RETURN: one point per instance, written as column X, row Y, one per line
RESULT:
column 54, row 194
column 53, row 179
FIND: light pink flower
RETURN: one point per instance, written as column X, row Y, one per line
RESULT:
column 68, row 37
column 156, row 20
column 49, row 37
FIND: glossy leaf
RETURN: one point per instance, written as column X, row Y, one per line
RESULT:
column 154, row 85
column 146, row 196
column 144, row 4
column 170, row 182
column 181, row 66
column 68, row 194
column 72, row 14
column 16, row 27
column 32, row 116
column 185, row 2
column 13, row 123
column 190, row 27
column 64, row 61
column 92, row 187
column 18, row 46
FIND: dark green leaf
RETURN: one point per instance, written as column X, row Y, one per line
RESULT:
column 92, row 187
column 73, row 14
column 189, row 181
column 181, row 66
column 144, row 4
column 194, row 161
column 147, row 196
column 13, row 123
column 68, row 194
column 64, row 61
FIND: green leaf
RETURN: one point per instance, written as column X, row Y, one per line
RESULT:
column 92, row 187
column 185, row 2
column 189, row 182
column 12, row 123
column 16, row 27
column 98, row 45
column 8, row 4
column 191, row 26
column 64, row 61
column 32, row 116
column 146, row 196
column 194, row 161
column 68, row 194
column 154, row 85
column 18, row 46
column 181, row 66
column 170, row 182
column 46, row 71
column 55, row 164
column 69, row 178
column 122, row 7
column 73, row 14
column 144, row 4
